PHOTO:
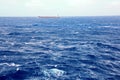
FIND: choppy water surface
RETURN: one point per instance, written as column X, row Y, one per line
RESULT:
column 78, row 48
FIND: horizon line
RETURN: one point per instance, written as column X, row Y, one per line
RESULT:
column 69, row 16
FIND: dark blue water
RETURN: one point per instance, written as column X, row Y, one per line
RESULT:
column 76, row 48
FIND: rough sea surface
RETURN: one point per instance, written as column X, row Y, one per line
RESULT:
column 66, row 48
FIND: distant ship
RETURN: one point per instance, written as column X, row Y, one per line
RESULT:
column 48, row 16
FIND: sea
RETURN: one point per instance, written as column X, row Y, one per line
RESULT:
column 65, row 48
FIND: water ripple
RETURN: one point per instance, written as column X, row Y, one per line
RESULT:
column 60, row 49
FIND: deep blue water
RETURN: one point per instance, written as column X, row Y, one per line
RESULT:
column 68, row 48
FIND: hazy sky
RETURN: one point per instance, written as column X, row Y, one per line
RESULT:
column 61, row 7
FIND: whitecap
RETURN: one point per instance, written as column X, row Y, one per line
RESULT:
column 110, row 27
column 33, row 43
column 54, row 72
column 57, row 72
column 64, row 47
column 10, row 64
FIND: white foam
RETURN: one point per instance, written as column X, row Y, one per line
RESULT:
column 10, row 64
column 33, row 43
column 106, row 26
column 57, row 72
column 17, row 69
column 64, row 47
column 76, row 32
column 54, row 72
column 110, row 27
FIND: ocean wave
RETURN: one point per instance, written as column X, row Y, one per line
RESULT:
column 66, row 49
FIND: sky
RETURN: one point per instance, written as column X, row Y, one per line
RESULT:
column 59, row 7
